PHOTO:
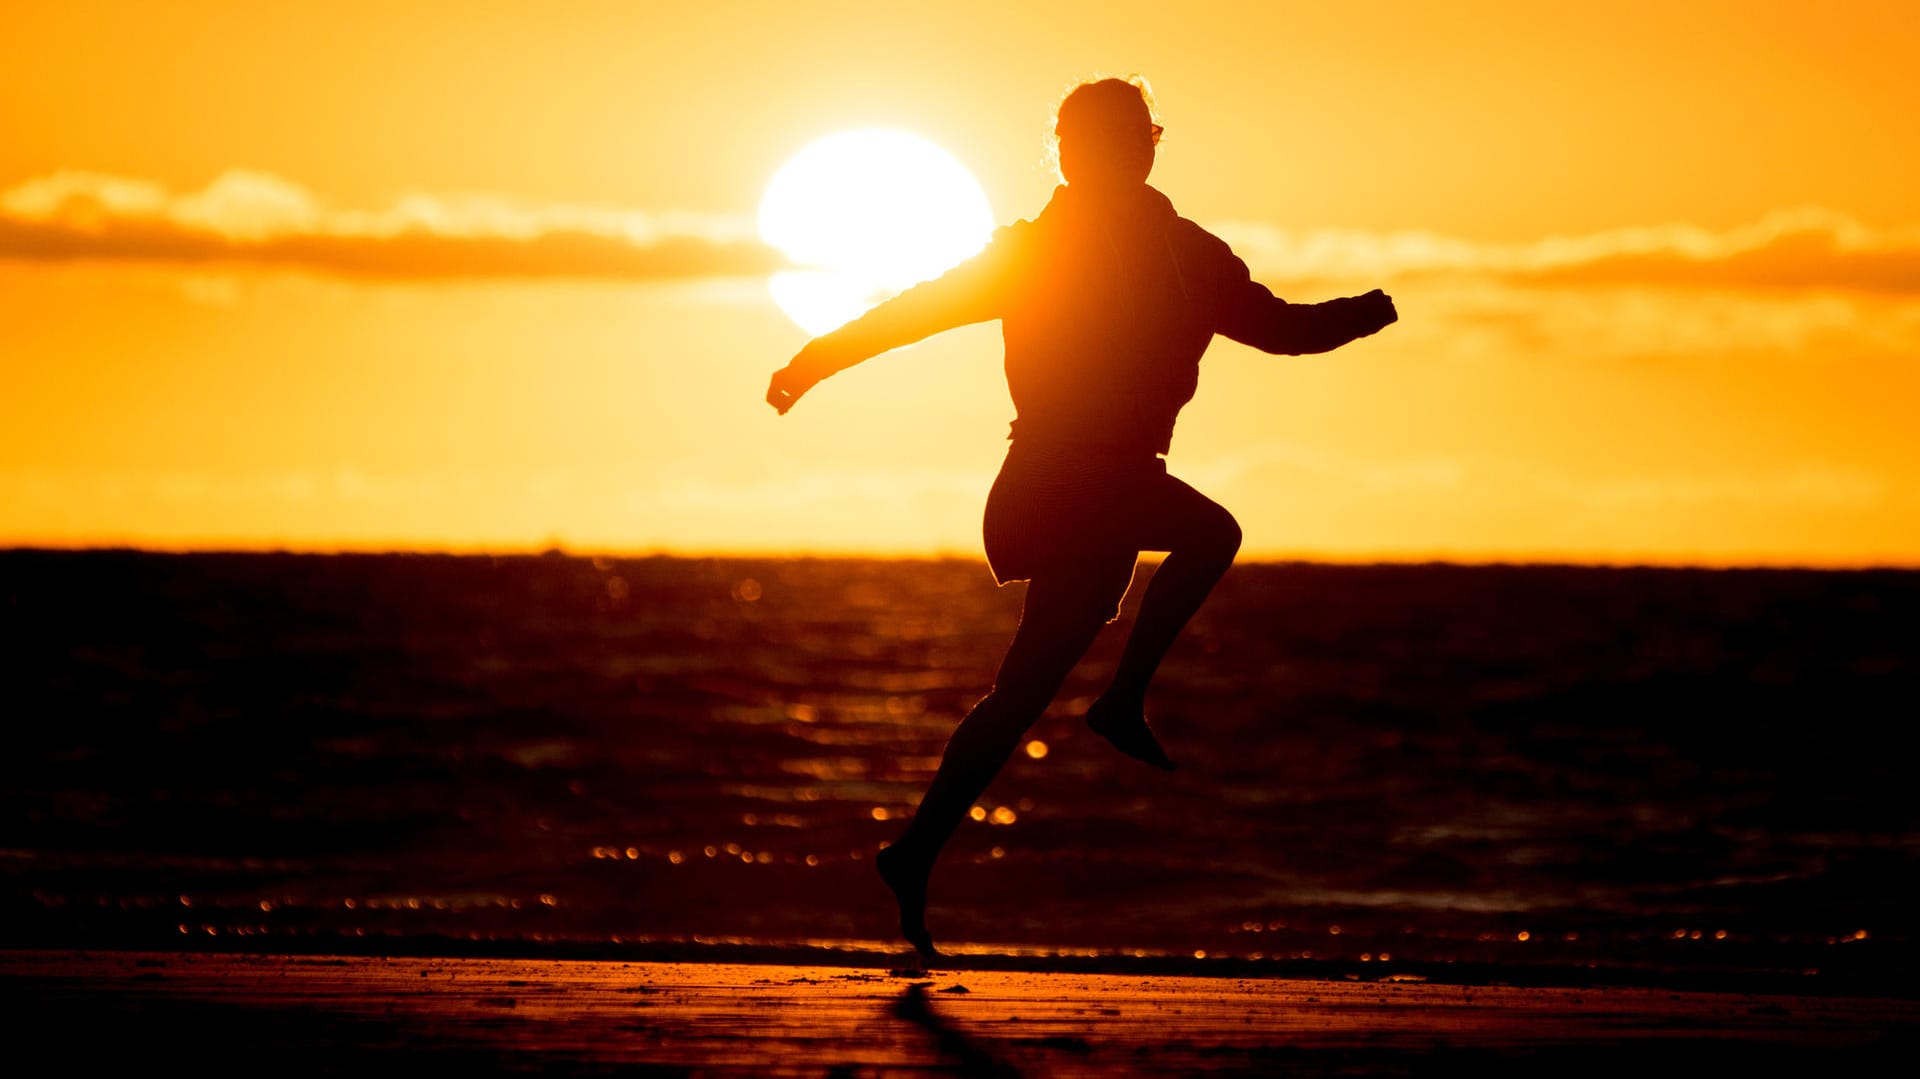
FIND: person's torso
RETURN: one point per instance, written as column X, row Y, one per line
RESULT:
column 1105, row 332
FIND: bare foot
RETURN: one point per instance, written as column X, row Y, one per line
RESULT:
column 909, row 883
column 1124, row 723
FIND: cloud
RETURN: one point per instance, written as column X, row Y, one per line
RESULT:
column 1793, row 249
column 1722, row 328
column 258, row 218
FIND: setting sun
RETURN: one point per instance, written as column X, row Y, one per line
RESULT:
column 865, row 214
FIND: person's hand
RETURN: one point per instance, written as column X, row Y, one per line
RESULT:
column 792, row 381
column 1375, row 310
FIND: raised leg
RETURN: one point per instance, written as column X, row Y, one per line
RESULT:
column 1201, row 539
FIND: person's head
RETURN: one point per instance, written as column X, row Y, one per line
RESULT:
column 1105, row 133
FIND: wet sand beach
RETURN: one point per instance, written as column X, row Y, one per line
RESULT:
column 314, row 1015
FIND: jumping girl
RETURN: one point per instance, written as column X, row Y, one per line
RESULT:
column 1106, row 302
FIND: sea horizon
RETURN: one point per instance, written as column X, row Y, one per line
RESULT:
column 1274, row 557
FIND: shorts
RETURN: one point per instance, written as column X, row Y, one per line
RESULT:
column 1071, row 512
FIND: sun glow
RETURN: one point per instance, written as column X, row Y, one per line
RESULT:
column 865, row 214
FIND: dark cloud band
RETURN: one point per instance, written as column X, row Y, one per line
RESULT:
column 259, row 220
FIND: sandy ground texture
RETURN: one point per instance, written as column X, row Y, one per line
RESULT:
column 271, row 1015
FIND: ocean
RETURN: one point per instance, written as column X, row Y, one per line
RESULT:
column 1382, row 768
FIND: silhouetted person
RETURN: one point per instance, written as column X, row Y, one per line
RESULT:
column 1106, row 302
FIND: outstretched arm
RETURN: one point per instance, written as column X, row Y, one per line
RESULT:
column 1252, row 315
column 968, row 293
column 1273, row 325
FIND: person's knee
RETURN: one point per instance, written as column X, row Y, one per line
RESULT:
column 1221, row 538
column 1230, row 536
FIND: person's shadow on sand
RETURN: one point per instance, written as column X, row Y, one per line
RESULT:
column 970, row 1055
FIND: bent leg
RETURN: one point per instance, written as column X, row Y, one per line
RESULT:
column 1201, row 539
column 1061, row 618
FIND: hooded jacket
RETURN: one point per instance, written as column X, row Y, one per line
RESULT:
column 1106, row 302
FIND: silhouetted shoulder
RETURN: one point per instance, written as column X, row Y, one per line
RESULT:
column 1012, row 242
column 1017, row 233
column 988, row 281
column 982, row 283
column 1216, row 279
column 1202, row 252
column 1238, row 307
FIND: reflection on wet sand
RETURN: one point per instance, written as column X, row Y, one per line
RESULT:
column 291, row 1015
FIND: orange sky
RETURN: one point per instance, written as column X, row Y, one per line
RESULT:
column 412, row 275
